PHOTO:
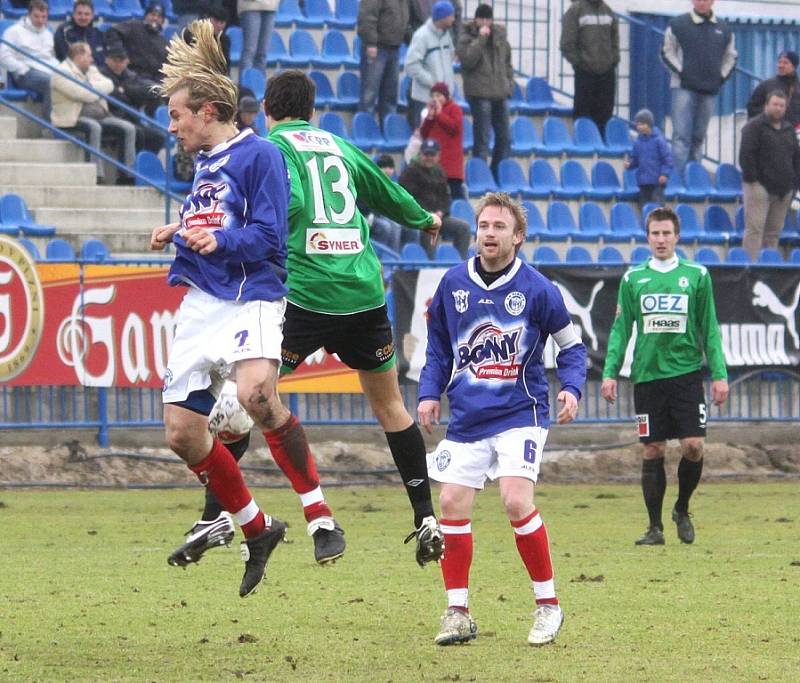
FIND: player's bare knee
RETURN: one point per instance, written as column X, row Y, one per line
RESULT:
column 182, row 441
column 517, row 504
column 654, row 451
column 692, row 449
column 265, row 409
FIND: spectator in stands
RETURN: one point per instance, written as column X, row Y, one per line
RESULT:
column 699, row 51
column 186, row 11
column 786, row 79
column 420, row 12
column 246, row 113
column 31, row 34
column 77, row 109
column 429, row 58
column 427, row 183
column 257, row 19
column 381, row 26
column 134, row 91
column 444, row 122
column 144, row 42
column 590, row 42
column 80, row 28
column 770, row 160
column 651, row 159
column 218, row 16
column 488, row 76
column 383, row 229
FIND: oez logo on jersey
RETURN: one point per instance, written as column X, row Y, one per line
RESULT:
column 490, row 353
column 664, row 313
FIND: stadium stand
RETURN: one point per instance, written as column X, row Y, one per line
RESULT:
column 511, row 179
column 447, row 253
column 707, row 256
column 592, row 222
column 556, row 139
column 543, row 180
column 345, row 15
column 59, row 249
column 366, row 134
column 545, row 254
column 32, row 249
column 150, row 166
column 605, row 182
column 411, row 251
column 737, row 255
column 288, row 14
column 574, row 182
column 479, row 178
column 94, row 250
column 525, row 138
column 624, row 223
column 728, row 181
column 536, row 224
column 324, row 97
column 334, row 123
column 618, row 137
column 336, row 51
column 560, row 220
column 462, row 209
column 348, row 87
column 770, row 256
column 639, row 254
column 540, row 98
column 15, row 217
column 577, row 254
column 588, row 140
column 610, row 254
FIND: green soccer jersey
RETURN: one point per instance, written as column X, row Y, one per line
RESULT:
column 332, row 265
column 672, row 307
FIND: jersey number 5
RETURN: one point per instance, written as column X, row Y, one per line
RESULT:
column 340, row 186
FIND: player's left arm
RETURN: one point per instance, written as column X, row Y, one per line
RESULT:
column 712, row 339
column 435, row 373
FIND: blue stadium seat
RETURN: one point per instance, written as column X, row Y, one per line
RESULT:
column 646, row 209
column 276, row 52
column 794, row 256
column 630, row 188
column 618, row 137
column 698, row 186
column 707, row 256
column 335, row 51
column 592, row 221
column 127, row 9
column 737, row 255
column 58, row 249
column 447, row 253
column 10, row 12
column 260, row 124
column 517, row 104
column 690, row 226
column 94, row 250
column 317, row 14
column 31, row 248
column 578, row 254
column 397, row 132
column 574, row 183
column 540, row 99
column 461, row 208
column 303, row 50
column 588, row 140
column 789, row 233
column 605, row 183
column 288, row 13
column 236, row 38
column 717, row 223
column 403, row 89
column 15, row 217
column 536, row 225
column 560, row 221
column 469, row 135
column 255, row 80
column 411, row 251
column 149, row 165
column 511, row 179
column 60, row 9
column 770, row 256
column 383, row 252
column 556, row 139
column 639, row 254
column 681, row 253
column 479, row 178
column 674, row 189
column 346, row 14
column 625, row 223
column 324, row 96
column 461, row 102
column 524, row 137
column 543, row 180
column 348, row 89
column 333, row 123
column 728, row 183
column 545, row 254
column 609, row 254
column 366, row 134
column 401, row 55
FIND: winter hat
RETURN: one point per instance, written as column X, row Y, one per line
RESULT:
column 429, row 146
column 155, row 8
column 484, row 11
column 791, row 56
column 442, row 88
column 644, row 116
column 442, row 10
column 248, row 105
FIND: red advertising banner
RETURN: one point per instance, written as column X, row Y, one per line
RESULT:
column 105, row 326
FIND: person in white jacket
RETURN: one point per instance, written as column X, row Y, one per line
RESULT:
column 429, row 59
column 79, row 110
column 32, row 35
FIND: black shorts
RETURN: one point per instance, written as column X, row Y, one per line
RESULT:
column 363, row 341
column 673, row 408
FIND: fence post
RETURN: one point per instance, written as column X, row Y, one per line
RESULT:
column 294, row 405
column 102, row 414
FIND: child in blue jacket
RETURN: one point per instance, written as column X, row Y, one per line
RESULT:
column 651, row 158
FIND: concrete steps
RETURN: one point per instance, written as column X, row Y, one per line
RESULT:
column 88, row 222
column 40, row 151
column 120, row 197
column 78, row 175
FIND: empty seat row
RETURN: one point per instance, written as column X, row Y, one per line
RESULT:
column 16, row 220
column 58, row 249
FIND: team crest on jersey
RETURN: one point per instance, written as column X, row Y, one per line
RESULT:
column 515, row 303
column 461, row 300
column 219, row 163
column 442, row 460
column 683, row 282
column 312, row 141
column 490, row 352
column 204, row 207
column 338, row 241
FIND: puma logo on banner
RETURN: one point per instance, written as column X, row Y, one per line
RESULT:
column 765, row 297
column 583, row 313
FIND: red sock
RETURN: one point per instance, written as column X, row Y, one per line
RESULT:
column 290, row 451
column 534, row 549
column 456, row 561
column 220, row 472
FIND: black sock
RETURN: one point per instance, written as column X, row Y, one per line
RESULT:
column 654, row 484
column 408, row 451
column 213, row 509
column 689, row 473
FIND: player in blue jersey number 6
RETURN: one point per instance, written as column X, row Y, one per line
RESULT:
column 487, row 327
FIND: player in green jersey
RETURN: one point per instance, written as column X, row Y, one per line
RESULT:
column 336, row 295
column 671, row 303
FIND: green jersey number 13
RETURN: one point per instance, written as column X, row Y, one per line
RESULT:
column 340, row 186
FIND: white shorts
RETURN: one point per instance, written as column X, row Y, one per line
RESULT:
column 514, row 453
column 212, row 334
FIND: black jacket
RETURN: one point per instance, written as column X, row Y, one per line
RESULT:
column 131, row 89
column 69, row 32
column 146, row 46
column 788, row 84
column 428, row 186
column 770, row 156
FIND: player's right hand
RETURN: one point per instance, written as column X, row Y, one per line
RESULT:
column 608, row 390
column 162, row 236
column 429, row 412
column 433, row 230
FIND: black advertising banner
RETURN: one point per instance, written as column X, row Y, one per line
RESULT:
column 757, row 308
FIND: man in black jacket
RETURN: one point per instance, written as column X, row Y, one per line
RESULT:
column 786, row 79
column 770, row 159
column 427, row 183
column 80, row 28
column 143, row 41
